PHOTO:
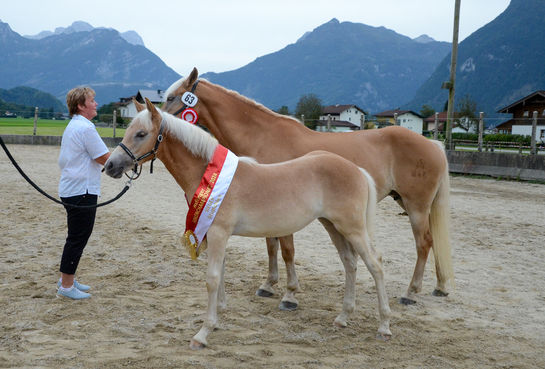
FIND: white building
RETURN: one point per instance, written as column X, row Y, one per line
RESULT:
column 127, row 108
column 341, row 118
column 405, row 118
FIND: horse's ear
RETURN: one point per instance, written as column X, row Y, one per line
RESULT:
column 153, row 110
column 139, row 107
column 192, row 76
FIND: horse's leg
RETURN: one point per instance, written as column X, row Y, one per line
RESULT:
column 421, row 230
column 430, row 215
column 373, row 261
column 266, row 289
column 289, row 302
column 216, row 256
column 222, row 302
column 349, row 260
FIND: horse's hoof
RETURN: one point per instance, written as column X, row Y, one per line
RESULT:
column 287, row 306
column 406, row 301
column 384, row 337
column 264, row 293
column 339, row 323
column 196, row 345
column 439, row 293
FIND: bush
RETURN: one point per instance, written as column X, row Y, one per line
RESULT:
column 108, row 118
column 497, row 137
column 465, row 136
column 504, row 137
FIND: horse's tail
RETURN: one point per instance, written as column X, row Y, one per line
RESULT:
column 439, row 227
column 371, row 210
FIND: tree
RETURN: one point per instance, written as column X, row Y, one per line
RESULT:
column 284, row 110
column 311, row 107
column 467, row 117
column 426, row 111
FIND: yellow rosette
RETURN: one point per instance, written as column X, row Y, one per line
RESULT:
column 189, row 240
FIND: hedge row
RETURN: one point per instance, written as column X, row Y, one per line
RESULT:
column 497, row 137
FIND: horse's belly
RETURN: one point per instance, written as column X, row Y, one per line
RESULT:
column 273, row 224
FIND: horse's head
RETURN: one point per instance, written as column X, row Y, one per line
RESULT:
column 140, row 142
column 176, row 93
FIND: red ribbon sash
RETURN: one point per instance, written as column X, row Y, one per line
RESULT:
column 205, row 188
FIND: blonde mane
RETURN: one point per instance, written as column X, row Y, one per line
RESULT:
column 250, row 101
column 197, row 141
column 233, row 93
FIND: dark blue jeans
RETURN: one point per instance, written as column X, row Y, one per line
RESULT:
column 80, row 226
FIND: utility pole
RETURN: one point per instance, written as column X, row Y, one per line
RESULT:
column 114, row 120
column 533, row 150
column 481, row 130
column 436, row 127
column 451, row 83
column 35, row 120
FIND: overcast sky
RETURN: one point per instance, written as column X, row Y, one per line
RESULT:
column 222, row 35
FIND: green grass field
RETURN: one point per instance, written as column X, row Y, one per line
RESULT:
column 46, row 127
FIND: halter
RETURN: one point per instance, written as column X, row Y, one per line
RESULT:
column 185, row 106
column 153, row 152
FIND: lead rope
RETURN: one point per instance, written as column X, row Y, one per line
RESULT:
column 125, row 189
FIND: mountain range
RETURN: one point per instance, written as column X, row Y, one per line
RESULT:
column 98, row 57
column 341, row 62
column 79, row 26
column 28, row 96
column 497, row 65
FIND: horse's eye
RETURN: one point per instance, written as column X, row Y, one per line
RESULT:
column 170, row 98
column 141, row 134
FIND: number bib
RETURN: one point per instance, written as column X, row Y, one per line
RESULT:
column 189, row 99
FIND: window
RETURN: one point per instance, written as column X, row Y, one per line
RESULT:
column 526, row 113
column 542, row 135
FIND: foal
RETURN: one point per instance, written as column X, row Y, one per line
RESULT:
column 262, row 201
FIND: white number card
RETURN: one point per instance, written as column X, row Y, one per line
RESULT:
column 189, row 99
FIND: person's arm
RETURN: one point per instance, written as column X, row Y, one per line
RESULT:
column 102, row 159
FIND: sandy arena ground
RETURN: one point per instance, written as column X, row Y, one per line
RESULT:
column 149, row 298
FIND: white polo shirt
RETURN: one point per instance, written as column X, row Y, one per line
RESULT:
column 80, row 145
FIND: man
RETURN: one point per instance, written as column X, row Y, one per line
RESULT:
column 83, row 153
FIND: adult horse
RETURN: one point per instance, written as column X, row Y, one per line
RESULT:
column 405, row 165
column 319, row 185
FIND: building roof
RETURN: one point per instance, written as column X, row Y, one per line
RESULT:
column 155, row 96
column 539, row 93
column 337, row 123
column 390, row 113
column 338, row 109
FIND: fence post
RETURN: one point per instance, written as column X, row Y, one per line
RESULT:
column 114, row 120
column 436, row 127
column 533, row 150
column 481, row 128
column 329, row 122
column 35, row 120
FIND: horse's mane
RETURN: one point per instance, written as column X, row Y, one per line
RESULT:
column 251, row 102
column 235, row 94
column 197, row 141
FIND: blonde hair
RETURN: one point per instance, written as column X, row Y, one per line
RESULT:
column 77, row 96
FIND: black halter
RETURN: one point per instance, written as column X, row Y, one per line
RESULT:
column 185, row 105
column 153, row 152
